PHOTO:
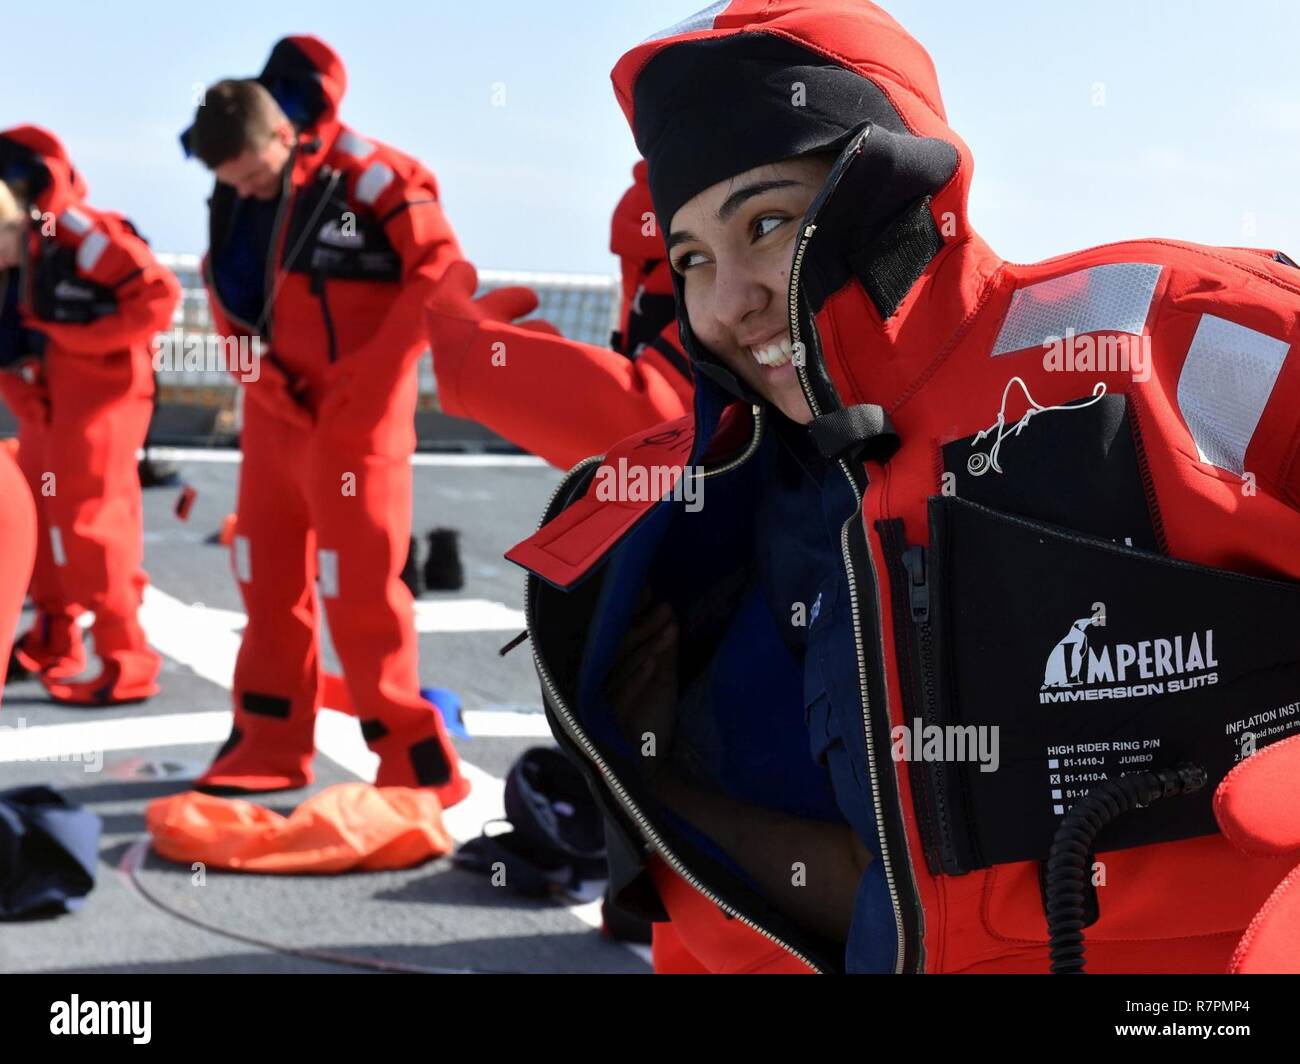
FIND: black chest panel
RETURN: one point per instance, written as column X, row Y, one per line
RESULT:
column 16, row 342
column 1082, row 469
column 59, row 294
column 331, row 238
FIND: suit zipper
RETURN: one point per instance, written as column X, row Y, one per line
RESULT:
column 318, row 290
column 269, row 273
column 575, row 732
column 909, row 568
column 892, row 873
column 922, row 645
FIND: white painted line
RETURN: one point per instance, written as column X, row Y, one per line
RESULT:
column 499, row 724
column 49, row 741
column 175, row 623
column 191, row 635
column 467, row 615
column 465, row 461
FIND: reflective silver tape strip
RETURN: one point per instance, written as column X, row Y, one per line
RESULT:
column 74, row 221
column 327, row 573
column 373, row 182
column 350, row 144
column 1112, row 298
column 243, row 556
column 1225, row 384
column 701, row 20
column 90, row 251
column 56, row 546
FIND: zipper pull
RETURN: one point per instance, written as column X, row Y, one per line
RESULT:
column 513, row 643
column 919, row 588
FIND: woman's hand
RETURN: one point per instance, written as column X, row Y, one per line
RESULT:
column 642, row 684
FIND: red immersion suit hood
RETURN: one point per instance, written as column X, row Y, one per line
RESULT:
column 307, row 79
column 37, row 155
column 752, row 82
column 634, row 236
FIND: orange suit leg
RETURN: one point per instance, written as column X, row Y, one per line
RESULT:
column 99, row 415
column 54, row 645
column 17, row 547
column 361, row 505
column 277, row 672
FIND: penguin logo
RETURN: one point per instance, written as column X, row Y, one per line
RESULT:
column 1065, row 662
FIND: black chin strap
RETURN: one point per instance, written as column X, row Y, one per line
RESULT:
column 856, row 433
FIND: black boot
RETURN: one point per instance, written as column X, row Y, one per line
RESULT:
column 411, row 570
column 157, row 473
column 442, row 568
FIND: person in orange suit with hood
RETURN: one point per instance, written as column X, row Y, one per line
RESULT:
column 916, row 486
column 324, row 247
column 89, row 297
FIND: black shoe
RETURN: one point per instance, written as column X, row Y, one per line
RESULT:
column 442, row 568
column 411, row 570
column 157, row 473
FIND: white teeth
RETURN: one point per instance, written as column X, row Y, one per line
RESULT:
column 773, row 355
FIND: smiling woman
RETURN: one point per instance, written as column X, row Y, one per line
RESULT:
column 742, row 671
column 733, row 245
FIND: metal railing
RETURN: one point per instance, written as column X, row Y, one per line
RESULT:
column 203, row 406
column 582, row 306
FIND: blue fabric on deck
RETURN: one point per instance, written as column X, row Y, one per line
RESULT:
column 49, row 853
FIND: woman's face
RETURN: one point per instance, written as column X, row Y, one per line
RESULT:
column 11, row 235
column 733, row 245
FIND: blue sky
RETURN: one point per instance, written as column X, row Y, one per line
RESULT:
column 1197, row 137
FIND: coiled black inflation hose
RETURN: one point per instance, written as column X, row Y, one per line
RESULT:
column 1068, row 859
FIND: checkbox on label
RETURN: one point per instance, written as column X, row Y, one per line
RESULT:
column 1059, row 810
column 1053, row 763
column 1054, row 778
column 1056, row 794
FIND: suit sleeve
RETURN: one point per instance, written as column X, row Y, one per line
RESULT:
column 559, row 399
column 147, row 292
column 413, row 220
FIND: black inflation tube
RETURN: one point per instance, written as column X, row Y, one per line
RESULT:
column 1068, row 861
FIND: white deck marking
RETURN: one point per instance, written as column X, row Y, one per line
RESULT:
column 225, row 456
column 466, row 615
column 49, row 741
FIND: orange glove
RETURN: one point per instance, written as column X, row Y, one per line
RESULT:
column 1257, row 810
column 454, row 299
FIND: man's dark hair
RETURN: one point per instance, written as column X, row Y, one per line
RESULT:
column 236, row 114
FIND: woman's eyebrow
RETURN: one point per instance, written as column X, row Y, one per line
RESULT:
column 733, row 202
column 679, row 237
